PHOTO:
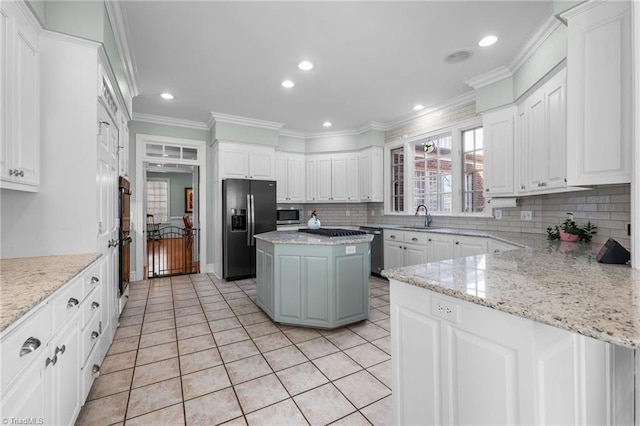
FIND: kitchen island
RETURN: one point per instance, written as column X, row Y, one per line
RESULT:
column 313, row 280
column 540, row 335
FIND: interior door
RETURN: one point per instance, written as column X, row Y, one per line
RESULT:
column 107, row 190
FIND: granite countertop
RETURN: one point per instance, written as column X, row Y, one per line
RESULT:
column 555, row 283
column 295, row 237
column 27, row 281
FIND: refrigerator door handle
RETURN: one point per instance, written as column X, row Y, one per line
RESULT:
column 249, row 209
column 253, row 221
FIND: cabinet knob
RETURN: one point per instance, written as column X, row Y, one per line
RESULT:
column 393, row 237
column 94, row 280
column 496, row 251
column 487, row 189
column 95, row 305
column 414, row 239
column 429, row 239
column 404, row 248
column 521, row 186
column 72, row 302
column 95, row 370
column 457, row 242
column 10, row 172
column 94, row 335
column 29, row 345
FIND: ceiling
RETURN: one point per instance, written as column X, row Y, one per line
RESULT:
column 373, row 60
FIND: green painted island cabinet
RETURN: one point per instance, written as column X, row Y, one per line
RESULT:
column 315, row 285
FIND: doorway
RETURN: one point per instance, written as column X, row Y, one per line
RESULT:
column 171, row 206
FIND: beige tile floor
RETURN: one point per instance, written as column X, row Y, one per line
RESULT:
column 196, row 350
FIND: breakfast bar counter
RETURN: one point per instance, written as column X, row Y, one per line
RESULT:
column 313, row 280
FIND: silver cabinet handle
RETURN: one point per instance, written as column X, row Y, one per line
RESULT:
column 95, row 305
column 51, row 361
column 94, row 335
column 94, row 280
column 10, row 172
column 72, row 302
column 60, row 350
column 112, row 243
column 21, row 173
column 29, row 345
column 414, row 239
column 95, row 370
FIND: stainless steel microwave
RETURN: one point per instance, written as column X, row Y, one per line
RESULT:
column 288, row 216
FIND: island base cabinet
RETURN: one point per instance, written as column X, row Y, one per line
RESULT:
column 323, row 286
column 456, row 362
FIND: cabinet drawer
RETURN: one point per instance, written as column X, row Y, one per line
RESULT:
column 90, row 307
column 25, row 343
column 416, row 237
column 392, row 235
column 91, row 278
column 89, row 372
column 89, row 337
column 67, row 302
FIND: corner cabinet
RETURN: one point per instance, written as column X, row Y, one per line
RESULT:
column 19, row 100
column 600, row 93
column 246, row 161
column 371, row 175
column 290, row 177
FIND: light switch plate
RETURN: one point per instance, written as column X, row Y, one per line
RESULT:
column 526, row 215
column 497, row 214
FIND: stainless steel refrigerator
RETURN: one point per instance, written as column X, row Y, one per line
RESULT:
column 248, row 208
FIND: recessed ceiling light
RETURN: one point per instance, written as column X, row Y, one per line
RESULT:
column 327, row 124
column 167, row 96
column 418, row 107
column 305, row 65
column 488, row 41
column 288, row 84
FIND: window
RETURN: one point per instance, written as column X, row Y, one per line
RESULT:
column 158, row 199
column 473, row 171
column 432, row 183
column 397, row 179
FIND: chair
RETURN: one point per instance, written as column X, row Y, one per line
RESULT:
column 153, row 229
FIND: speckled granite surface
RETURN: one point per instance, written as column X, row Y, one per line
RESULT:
column 559, row 284
column 25, row 282
column 295, row 237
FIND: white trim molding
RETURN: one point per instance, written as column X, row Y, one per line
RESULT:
column 218, row 117
column 465, row 98
column 635, row 169
column 120, row 27
column 490, row 77
column 533, row 43
column 169, row 121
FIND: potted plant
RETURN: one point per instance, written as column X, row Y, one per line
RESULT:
column 569, row 231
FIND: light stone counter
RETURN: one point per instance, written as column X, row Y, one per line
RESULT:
column 295, row 237
column 560, row 284
column 25, row 282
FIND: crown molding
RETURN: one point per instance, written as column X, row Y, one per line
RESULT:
column 169, row 121
column 292, row 133
column 533, row 43
column 218, row 117
column 490, row 77
column 30, row 16
column 120, row 27
column 465, row 98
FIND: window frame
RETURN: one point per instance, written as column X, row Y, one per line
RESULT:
column 457, row 170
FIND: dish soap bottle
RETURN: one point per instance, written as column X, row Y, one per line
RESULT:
column 314, row 222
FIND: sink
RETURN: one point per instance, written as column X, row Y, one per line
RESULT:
column 418, row 228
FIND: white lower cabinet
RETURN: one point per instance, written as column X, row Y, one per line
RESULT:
column 47, row 353
column 455, row 362
column 440, row 247
column 469, row 246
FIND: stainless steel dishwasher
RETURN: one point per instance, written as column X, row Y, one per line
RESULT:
column 377, row 249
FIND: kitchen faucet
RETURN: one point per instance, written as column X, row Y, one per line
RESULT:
column 427, row 216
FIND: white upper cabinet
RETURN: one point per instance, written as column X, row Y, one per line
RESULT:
column 246, row 161
column 311, row 178
column 353, row 178
column 19, row 101
column 542, row 131
column 335, row 178
column 499, row 137
column 599, row 93
column 290, row 177
column 371, row 175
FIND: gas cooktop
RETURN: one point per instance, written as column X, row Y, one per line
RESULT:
column 332, row 232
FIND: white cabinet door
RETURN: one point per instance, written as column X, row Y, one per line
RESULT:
column 352, row 177
column 19, row 101
column 469, row 246
column 439, row 247
column 371, row 174
column 246, row 161
column 339, row 184
column 28, row 397
column 393, row 255
column 323, row 182
column 281, row 177
column 499, row 138
column 261, row 164
column 295, row 178
column 311, row 181
column 65, row 375
column 499, row 247
column 415, row 254
column 234, row 163
column 556, row 130
column 600, row 95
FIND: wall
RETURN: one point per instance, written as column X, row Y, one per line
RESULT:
column 177, row 184
column 431, row 122
column 248, row 134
